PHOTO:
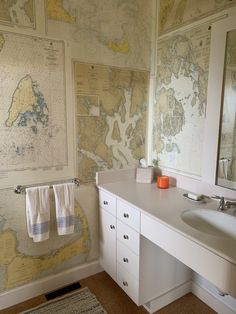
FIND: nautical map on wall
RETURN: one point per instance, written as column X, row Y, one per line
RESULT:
column 18, row 12
column 176, row 13
column 179, row 112
column 113, row 32
column 113, row 137
column 33, row 126
column 21, row 260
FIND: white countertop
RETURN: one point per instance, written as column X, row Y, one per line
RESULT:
column 166, row 206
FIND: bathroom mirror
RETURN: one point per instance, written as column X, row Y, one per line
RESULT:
column 226, row 168
column 219, row 149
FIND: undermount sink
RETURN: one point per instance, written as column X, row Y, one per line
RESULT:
column 211, row 221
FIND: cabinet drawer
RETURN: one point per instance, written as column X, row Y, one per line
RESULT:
column 128, row 259
column 128, row 283
column 107, row 242
column 128, row 215
column 128, row 236
column 107, row 202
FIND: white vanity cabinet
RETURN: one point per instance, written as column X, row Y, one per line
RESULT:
column 107, row 237
column 128, row 249
column 144, row 271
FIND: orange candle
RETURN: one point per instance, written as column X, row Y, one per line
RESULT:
column 163, row 182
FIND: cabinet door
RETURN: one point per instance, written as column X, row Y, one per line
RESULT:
column 108, row 242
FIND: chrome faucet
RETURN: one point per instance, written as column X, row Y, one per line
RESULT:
column 225, row 204
column 222, row 204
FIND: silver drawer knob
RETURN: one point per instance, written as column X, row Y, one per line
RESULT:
column 112, row 226
column 125, row 260
column 126, row 237
column 125, row 283
column 126, row 215
column 105, row 202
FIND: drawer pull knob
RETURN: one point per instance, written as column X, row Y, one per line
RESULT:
column 112, row 226
column 125, row 283
column 125, row 260
column 126, row 215
column 126, row 237
column 105, row 202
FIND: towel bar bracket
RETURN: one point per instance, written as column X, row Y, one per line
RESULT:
column 20, row 189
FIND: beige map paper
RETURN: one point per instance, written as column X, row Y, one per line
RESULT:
column 181, row 94
column 18, row 12
column 176, row 13
column 114, row 138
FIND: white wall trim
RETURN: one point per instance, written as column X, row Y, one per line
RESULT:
column 214, row 97
column 152, row 82
column 211, row 300
column 167, row 298
column 67, row 277
column 47, row 284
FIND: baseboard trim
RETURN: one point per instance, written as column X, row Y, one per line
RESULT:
column 165, row 299
column 203, row 294
column 54, row 282
column 48, row 284
column 211, row 300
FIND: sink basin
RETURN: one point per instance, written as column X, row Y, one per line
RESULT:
column 211, row 222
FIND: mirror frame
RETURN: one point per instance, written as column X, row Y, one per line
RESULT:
column 214, row 98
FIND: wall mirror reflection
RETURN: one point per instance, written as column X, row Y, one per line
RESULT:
column 226, row 169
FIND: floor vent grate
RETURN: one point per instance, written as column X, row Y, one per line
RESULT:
column 64, row 290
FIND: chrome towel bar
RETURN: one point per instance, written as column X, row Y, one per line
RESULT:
column 20, row 189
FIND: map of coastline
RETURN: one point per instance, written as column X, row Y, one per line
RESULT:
column 18, row 12
column 179, row 112
column 28, row 103
column 88, row 105
column 56, row 10
column 18, row 269
column 176, row 13
column 32, row 103
column 115, row 136
column 113, row 32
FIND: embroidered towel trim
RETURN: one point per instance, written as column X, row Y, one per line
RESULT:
column 38, row 213
column 65, row 208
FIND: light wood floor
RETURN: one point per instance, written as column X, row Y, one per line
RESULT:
column 115, row 301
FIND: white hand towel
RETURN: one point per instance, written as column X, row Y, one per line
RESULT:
column 38, row 213
column 65, row 208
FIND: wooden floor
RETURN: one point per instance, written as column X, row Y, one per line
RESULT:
column 115, row 301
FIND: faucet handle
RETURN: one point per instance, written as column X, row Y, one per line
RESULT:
column 222, row 203
column 222, row 200
column 230, row 204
